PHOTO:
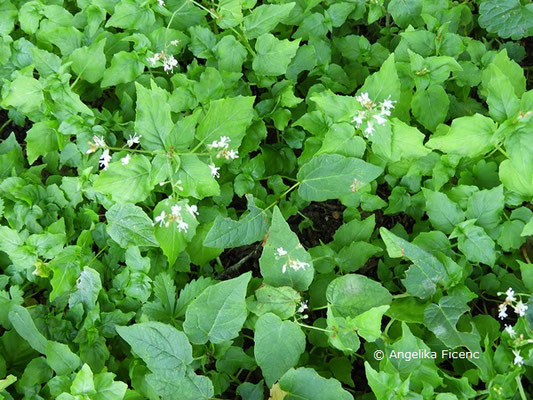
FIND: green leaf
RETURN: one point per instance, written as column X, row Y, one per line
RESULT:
column 230, row 12
column 41, row 139
column 474, row 242
column 161, row 346
column 342, row 335
column 281, row 301
column 129, row 14
column 21, row 320
column 486, row 206
column 89, row 62
column 384, row 83
column 88, row 286
column 501, row 98
column 153, row 117
column 218, row 314
column 66, row 269
column 171, row 239
column 426, row 272
column 125, row 67
column 227, row 117
column 62, row 360
column 407, row 142
column 194, row 177
column 507, row 18
column 330, row 176
column 273, row 55
column 468, row 136
column 405, row 12
column 264, row 19
column 107, row 389
column 228, row 233
column 306, row 384
column 24, row 94
column 443, row 213
column 128, row 225
column 351, row 295
column 368, row 324
column 83, row 383
column 126, row 183
column 181, row 384
column 278, row 346
column 284, row 261
column 430, row 106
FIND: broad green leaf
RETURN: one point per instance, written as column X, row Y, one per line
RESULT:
column 330, row 176
column 194, row 178
column 281, row 301
column 273, row 55
column 152, row 118
column 427, row 271
column 66, row 269
column 516, row 173
column 468, row 136
column 89, row 62
column 83, row 383
column 21, row 320
column 161, row 346
column 368, row 324
column 443, row 213
column 278, row 346
column 501, row 98
column 486, row 206
column 230, row 12
column 181, row 384
column 507, row 18
column 218, row 314
column 264, row 18
column 62, row 360
column 226, row 117
column 351, row 295
column 126, row 183
column 128, row 225
column 173, row 238
column 41, row 139
column 284, row 261
column 228, row 233
column 430, row 106
column 88, row 286
column 130, row 14
column 108, row 389
column 25, row 94
column 341, row 139
column 307, row 384
column 342, row 335
column 474, row 242
column 405, row 12
column 407, row 142
column 125, row 67
column 384, row 83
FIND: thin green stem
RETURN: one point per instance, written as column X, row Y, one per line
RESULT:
column 97, row 254
column 282, row 196
column 520, row 388
column 5, row 124
column 314, row 327
column 401, row 295
column 319, row 308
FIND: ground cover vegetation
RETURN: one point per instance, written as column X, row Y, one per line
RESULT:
column 279, row 199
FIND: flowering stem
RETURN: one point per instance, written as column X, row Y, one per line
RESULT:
column 282, row 195
column 401, row 295
column 314, row 327
column 520, row 387
column 132, row 150
column 319, row 308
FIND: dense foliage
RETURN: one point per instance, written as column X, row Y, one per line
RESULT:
column 294, row 199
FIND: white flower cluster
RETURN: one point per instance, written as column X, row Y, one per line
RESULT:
column 135, row 139
column 291, row 263
column 175, row 217
column 372, row 113
column 169, row 62
column 224, row 150
column 302, row 307
column 519, row 307
column 99, row 143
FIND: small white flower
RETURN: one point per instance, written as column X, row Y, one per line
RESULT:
column 380, row 120
column 175, row 210
column 161, row 3
column 133, row 140
column 355, row 185
column 303, row 306
column 358, row 119
column 518, row 359
column 182, row 225
column 502, row 314
column 510, row 295
column 178, row 184
column 297, row 264
column 193, row 210
column 224, row 141
column 520, row 308
column 154, row 59
column 174, row 42
column 104, row 159
column 169, row 63
column 99, row 141
column 363, row 99
column 280, row 251
column 510, row 330
column 388, row 104
column 213, row 145
column 284, row 268
column 214, row 171
column 369, row 129
column 232, row 154
column 161, row 219
column 125, row 160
